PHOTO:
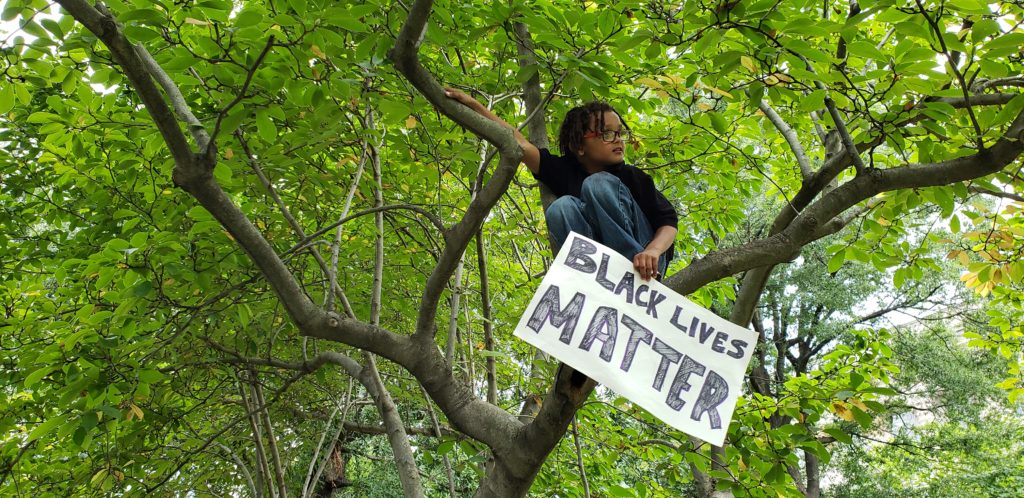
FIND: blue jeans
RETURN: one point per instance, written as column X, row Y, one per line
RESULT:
column 605, row 212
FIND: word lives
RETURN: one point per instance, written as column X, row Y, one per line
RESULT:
column 682, row 363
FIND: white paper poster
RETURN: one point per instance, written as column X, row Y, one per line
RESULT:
column 682, row 363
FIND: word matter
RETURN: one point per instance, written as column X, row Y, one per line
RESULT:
column 639, row 338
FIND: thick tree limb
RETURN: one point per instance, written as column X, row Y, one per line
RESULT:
column 474, row 417
column 802, row 230
column 105, row 27
column 405, row 56
column 791, row 138
column 181, row 108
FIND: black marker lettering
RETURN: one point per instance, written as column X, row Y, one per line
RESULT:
column 713, row 393
column 668, row 355
column 680, row 384
column 739, row 345
column 705, row 332
column 626, row 284
column 640, row 290
column 637, row 335
column 605, row 328
column 716, row 345
column 602, row 272
column 578, row 258
column 675, row 319
column 653, row 303
column 548, row 308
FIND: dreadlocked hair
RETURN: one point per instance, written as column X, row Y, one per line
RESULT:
column 577, row 123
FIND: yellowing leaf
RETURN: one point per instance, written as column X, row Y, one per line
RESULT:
column 859, row 404
column 748, row 63
column 229, row 153
column 98, row 477
column 317, row 52
column 718, row 91
column 410, row 122
column 844, row 413
column 195, row 22
column 649, row 82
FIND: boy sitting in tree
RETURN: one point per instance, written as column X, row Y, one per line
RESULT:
column 599, row 195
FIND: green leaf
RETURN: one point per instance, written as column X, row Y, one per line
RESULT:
column 37, row 375
column 718, row 122
column 899, row 277
column 265, row 127
column 1009, row 111
column 7, row 97
column 42, row 117
column 445, row 446
column 1004, row 45
column 984, row 28
column 839, row 434
column 836, row 261
column 45, row 428
column 150, row 376
column 248, row 17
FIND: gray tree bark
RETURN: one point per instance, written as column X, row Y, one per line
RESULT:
column 519, row 447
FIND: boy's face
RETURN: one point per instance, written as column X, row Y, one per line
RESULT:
column 595, row 151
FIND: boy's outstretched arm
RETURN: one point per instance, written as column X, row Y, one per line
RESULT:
column 531, row 156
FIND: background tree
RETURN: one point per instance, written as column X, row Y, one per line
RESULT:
column 217, row 213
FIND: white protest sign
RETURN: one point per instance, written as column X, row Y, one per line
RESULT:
column 682, row 363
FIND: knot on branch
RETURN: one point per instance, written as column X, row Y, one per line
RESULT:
column 333, row 320
column 198, row 169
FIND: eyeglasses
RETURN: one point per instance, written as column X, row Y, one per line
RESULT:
column 609, row 135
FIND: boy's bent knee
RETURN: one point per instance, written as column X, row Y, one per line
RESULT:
column 601, row 184
column 562, row 206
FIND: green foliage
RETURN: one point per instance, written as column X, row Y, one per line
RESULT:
column 952, row 434
column 120, row 297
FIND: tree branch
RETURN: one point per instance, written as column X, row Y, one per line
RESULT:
column 474, row 417
column 181, row 108
column 105, row 27
column 1004, row 195
column 307, row 240
column 803, row 229
column 245, row 85
column 791, row 138
column 982, row 85
column 405, row 56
